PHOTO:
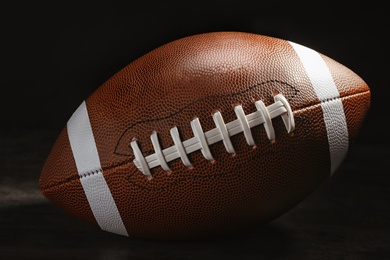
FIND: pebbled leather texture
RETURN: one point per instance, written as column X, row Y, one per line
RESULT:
column 192, row 77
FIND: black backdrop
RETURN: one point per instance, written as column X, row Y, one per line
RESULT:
column 54, row 54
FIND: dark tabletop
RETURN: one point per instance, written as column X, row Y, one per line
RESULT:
column 54, row 58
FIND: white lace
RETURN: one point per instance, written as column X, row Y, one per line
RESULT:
column 202, row 140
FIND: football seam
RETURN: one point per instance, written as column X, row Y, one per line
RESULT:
column 333, row 99
column 90, row 173
column 107, row 168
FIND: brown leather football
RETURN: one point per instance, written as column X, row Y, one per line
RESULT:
column 204, row 135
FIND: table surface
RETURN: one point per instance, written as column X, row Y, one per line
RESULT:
column 345, row 218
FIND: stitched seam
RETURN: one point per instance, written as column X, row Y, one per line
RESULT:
column 331, row 99
column 87, row 174
column 90, row 173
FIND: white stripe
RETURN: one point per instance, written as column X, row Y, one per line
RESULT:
column 88, row 166
column 337, row 131
column 332, row 107
column 82, row 141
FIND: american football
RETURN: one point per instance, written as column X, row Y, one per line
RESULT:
column 205, row 135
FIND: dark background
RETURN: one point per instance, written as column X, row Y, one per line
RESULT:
column 55, row 54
